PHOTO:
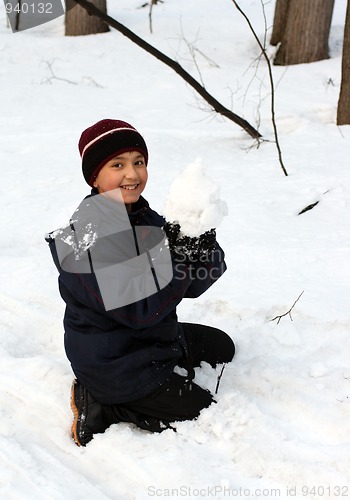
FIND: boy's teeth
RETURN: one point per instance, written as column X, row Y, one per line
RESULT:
column 130, row 187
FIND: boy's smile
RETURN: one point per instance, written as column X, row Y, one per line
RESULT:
column 130, row 187
column 127, row 171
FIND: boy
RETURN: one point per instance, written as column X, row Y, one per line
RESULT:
column 121, row 281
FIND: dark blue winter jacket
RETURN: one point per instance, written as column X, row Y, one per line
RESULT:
column 125, row 353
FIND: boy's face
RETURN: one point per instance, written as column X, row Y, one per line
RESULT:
column 127, row 171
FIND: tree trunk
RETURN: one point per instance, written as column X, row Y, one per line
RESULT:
column 79, row 22
column 279, row 21
column 305, row 37
column 343, row 115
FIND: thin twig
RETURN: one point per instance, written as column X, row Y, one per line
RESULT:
column 263, row 51
column 210, row 61
column 152, row 2
column 190, row 46
column 219, row 378
column 309, row 207
column 312, row 205
column 54, row 77
column 289, row 312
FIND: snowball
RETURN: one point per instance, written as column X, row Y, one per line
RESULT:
column 194, row 201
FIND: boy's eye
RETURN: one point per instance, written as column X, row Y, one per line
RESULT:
column 117, row 165
column 139, row 162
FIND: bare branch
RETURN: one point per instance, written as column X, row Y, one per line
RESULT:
column 312, row 205
column 191, row 49
column 216, row 105
column 289, row 312
column 84, row 79
column 54, row 77
column 269, row 66
column 219, row 378
column 309, row 207
column 210, row 61
column 151, row 3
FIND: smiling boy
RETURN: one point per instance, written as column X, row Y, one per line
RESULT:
column 127, row 171
column 124, row 357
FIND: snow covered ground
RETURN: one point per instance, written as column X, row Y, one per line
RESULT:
column 281, row 425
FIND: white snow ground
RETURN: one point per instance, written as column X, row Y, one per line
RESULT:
column 281, row 425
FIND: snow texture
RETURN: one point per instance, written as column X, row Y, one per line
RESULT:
column 194, row 201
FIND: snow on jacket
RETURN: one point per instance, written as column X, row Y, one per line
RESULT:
column 125, row 353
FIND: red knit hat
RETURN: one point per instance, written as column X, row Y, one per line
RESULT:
column 105, row 139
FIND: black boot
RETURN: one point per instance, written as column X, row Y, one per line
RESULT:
column 88, row 415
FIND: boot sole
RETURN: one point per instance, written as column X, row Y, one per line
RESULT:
column 75, row 411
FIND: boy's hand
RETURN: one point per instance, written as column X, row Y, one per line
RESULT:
column 207, row 242
column 191, row 247
column 172, row 230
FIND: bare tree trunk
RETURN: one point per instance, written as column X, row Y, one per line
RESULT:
column 279, row 21
column 343, row 115
column 305, row 37
column 79, row 22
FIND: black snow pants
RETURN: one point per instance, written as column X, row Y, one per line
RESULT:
column 179, row 398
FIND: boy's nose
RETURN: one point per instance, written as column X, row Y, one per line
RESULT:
column 130, row 172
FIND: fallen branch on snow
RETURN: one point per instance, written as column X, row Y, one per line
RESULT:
column 289, row 312
column 219, row 378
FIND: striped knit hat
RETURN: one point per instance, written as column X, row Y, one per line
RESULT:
column 105, row 139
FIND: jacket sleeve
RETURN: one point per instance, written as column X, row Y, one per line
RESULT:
column 81, row 290
column 205, row 272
